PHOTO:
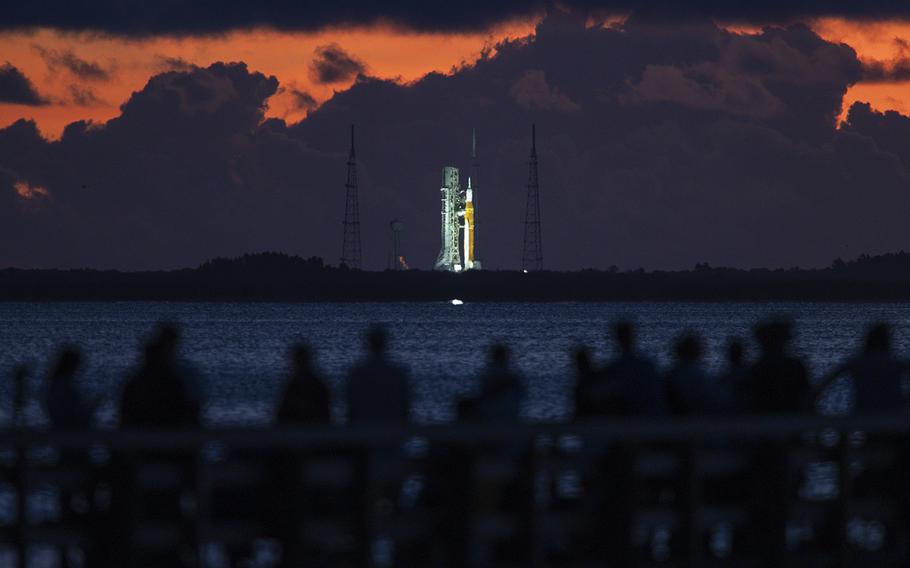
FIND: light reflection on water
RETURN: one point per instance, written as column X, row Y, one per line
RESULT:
column 240, row 348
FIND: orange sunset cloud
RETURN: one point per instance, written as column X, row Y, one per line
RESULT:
column 60, row 64
column 876, row 43
column 124, row 65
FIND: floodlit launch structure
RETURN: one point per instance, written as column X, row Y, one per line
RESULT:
column 449, row 254
column 457, row 226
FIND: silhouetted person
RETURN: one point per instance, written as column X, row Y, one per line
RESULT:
column 636, row 375
column 733, row 378
column 161, row 393
column 597, row 393
column 66, row 406
column 67, row 409
column 20, row 384
column 278, row 502
column 378, row 389
column 689, row 388
column 778, row 381
column 876, row 375
column 585, row 377
column 305, row 398
column 501, row 388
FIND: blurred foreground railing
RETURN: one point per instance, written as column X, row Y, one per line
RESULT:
column 744, row 492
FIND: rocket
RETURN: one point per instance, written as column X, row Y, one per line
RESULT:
column 457, row 230
column 469, row 227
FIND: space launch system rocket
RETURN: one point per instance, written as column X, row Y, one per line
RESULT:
column 469, row 227
column 457, row 228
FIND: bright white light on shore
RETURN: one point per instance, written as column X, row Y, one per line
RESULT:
column 457, row 302
column 525, row 271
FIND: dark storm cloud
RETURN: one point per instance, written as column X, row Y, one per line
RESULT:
column 127, row 17
column 331, row 64
column 66, row 59
column 673, row 143
column 894, row 71
column 889, row 130
column 533, row 92
column 16, row 88
column 303, row 100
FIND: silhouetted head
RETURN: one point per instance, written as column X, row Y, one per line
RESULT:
column 624, row 334
column 167, row 338
column 688, row 348
column 736, row 352
column 499, row 355
column 878, row 338
column 301, row 356
column 583, row 363
column 161, row 349
column 69, row 359
column 773, row 336
column 377, row 340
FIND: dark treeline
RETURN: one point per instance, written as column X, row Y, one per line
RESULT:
column 279, row 277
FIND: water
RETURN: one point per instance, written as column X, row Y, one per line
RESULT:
column 240, row 348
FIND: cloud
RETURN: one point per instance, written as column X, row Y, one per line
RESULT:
column 896, row 70
column 27, row 191
column 703, row 88
column 167, row 63
column 889, row 130
column 532, row 92
column 16, row 88
column 81, row 68
column 303, row 100
column 85, row 96
column 332, row 64
column 178, row 18
column 683, row 173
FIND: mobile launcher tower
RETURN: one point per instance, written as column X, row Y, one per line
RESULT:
column 457, row 230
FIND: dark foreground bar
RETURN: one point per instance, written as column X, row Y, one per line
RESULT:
column 745, row 492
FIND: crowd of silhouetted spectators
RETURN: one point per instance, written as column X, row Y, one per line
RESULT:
column 162, row 390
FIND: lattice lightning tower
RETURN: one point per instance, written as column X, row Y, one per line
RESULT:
column 350, row 248
column 532, row 256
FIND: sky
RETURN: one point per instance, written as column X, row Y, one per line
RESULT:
column 159, row 136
